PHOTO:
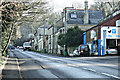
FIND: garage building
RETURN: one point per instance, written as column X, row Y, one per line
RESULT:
column 104, row 36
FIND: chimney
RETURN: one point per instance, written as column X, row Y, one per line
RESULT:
column 86, row 16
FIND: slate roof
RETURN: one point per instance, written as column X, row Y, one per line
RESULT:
column 94, row 16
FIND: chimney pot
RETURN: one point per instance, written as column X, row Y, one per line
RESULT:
column 86, row 16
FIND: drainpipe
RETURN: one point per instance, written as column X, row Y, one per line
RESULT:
column 84, row 38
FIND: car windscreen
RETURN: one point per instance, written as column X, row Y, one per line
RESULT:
column 26, row 44
column 83, row 47
column 112, row 48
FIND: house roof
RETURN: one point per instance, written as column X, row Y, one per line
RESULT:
column 94, row 16
column 109, row 19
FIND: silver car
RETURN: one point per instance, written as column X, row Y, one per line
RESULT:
column 111, row 50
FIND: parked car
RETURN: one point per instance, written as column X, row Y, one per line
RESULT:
column 84, row 50
column 111, row 50
column 26, row 46
column 11, row 47
column 18, row 46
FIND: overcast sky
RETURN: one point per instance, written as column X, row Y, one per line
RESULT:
column 60, row 4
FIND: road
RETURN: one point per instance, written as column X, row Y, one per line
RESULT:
column 35, row 66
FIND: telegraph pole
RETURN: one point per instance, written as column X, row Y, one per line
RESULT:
column 53, row 45
column 65, row 31
column 44, row 34
column 0, row 37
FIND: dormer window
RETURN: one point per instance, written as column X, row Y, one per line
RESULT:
column 73, row 15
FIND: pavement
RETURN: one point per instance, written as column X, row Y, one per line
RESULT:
column 3, row 65
column 11, row 70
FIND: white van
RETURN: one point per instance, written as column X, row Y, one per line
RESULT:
column 26, row 46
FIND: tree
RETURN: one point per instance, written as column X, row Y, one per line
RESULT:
column 13, row 15
column 108, row 7
column 34, row 17
column 61, row 40
column 72, row 38
column 9, row 16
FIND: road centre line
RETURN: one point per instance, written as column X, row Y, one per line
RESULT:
column 111, row 75
column 102, row 73
column 89, row 69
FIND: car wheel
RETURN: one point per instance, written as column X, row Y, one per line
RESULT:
column 106, row 53
column 82, row 55
column 29, row 49
column 88, row 55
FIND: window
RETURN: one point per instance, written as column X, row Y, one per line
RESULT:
column 73, row 15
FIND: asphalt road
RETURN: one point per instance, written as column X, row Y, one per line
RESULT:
column 39, row 66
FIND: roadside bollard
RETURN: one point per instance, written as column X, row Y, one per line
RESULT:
column 65, row 53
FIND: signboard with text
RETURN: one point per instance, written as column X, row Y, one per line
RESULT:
column 93, row 34
column 113, row 32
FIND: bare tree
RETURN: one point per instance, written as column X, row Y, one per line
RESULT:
column 108, row 7
column 17, row 13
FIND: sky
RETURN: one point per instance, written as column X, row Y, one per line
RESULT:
column 60, row 4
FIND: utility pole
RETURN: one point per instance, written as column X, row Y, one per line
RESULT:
column 0, row 37
column 44, row 34
column 50, row 43
column 65, row 31
column 45, row 25
column 53, row 45
column 65, row 23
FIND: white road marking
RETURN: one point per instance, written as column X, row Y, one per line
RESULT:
column 102, row 73
column 90, row 69
column 19, row 68
column 111, row 75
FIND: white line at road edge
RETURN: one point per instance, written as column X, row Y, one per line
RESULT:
column 111, row 75
column 2, row 67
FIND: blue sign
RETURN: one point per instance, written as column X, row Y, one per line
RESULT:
column 109, row 35
column 114, row 31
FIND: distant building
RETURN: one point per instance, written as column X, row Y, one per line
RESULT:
column 83, row 18
column 42, row 38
